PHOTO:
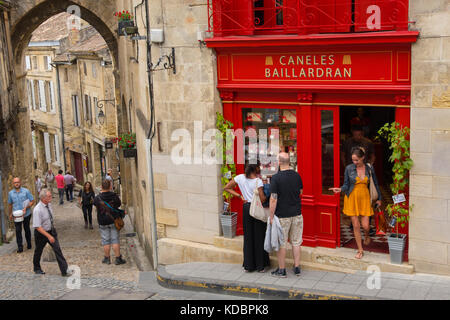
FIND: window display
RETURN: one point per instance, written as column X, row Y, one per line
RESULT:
column 278, row 129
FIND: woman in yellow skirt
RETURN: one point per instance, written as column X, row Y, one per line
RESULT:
column 357, row 197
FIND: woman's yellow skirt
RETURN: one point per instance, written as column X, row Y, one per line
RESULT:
column 358, row 203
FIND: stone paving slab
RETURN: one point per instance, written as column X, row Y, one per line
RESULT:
column 105, row 294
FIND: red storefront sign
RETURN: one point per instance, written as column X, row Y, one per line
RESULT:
column 323, row 68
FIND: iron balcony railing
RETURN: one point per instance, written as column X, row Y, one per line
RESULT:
column 250, row 17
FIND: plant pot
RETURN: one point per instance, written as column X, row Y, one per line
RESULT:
column 126, row 26
column 396, row 247
column 228, row 220
column 129, row 153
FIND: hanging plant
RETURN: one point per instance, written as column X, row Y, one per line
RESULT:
column 126, row 140
column 123, row 15
column 228, row 169
column 398, row 139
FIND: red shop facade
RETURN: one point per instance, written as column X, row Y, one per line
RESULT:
column 308, row 79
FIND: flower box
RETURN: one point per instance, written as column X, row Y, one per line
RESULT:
column 129, row 153
column 126, row 27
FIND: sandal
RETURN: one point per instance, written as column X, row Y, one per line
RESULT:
column 359, row 255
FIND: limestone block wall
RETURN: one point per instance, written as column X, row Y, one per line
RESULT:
column 429, row 243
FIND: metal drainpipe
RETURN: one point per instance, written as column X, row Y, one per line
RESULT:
column 149, row 141
column 61, row 118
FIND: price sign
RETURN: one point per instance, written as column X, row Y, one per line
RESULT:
column 399, row 198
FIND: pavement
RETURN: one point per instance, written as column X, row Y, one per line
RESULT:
column 220, row 278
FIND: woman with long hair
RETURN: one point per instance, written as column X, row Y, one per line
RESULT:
column 357, row 196
column 86, row 200
column 255, row 257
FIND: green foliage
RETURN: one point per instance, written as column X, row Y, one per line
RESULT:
column 398, row 139
column 126, row 140
column 224, row 138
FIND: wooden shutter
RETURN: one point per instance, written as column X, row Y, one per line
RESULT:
column 42, row 99
column 57, row 149
column 48, row 155
column 28, row 62
column 52, row 97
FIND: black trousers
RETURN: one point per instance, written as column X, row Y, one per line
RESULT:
column 69, row 192
column 26, row 228
column 87, row 213
column 41, row 241
column 255, row 257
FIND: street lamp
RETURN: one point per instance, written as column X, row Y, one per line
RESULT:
column 101, row 115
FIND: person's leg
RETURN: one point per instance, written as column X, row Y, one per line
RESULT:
column 71, row 192
column 40, row 242
column 61, row 195
column 296, row 237
column 85, row 215
column 105, row 233
column 248, row 221
column 365, row 221
column 67, row 193
column 19, row 239
column 261, row 256
column 357, row 232
column 90, row 216
column 26, row 228
column 62, row 263
column 115, row 240
column 107, row 250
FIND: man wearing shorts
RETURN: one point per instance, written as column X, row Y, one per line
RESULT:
column 286, row 188
column 108, row 231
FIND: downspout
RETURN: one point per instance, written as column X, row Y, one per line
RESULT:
column 61, row 118
column 149, row 141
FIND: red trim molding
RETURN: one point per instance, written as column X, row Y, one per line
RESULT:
column 392, row 37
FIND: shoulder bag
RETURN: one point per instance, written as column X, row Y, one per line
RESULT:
column 118, row 222
column 372, row 188
column 257, row 210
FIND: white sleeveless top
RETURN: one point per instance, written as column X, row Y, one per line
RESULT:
column 247, row 186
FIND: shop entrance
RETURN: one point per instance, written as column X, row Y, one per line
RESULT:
column 366, row 120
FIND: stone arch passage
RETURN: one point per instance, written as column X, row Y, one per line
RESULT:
column 26, row 16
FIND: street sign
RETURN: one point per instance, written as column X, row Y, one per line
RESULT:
column 108, row 145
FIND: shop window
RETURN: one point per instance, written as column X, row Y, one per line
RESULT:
column 268, row 13
column 267, row 132
column 327, row 144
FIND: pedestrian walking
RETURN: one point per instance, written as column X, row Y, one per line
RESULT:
column 21, row 199
column 105, row 217
column 69, row 182
column 255, row 257
column 86, row 199
column 49, row 180
column 38, row 183
column 60, row 184
column 286, row 188
column 45, row 232
column 357, row 200
column 110, row 178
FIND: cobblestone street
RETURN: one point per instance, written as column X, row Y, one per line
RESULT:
column 80, row 246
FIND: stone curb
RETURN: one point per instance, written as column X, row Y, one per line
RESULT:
column 243, row 289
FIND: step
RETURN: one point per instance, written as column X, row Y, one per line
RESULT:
column 340, row 259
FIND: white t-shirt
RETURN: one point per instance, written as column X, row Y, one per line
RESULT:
column 247, row 186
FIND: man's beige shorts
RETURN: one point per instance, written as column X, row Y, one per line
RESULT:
column 292, row 229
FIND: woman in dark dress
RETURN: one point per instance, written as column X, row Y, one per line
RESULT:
column 86, row 200
column 255, row 257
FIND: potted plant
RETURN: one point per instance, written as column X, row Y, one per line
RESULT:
column 126, row 23
column 127, row 142
column 228, row 219
column 398, row 139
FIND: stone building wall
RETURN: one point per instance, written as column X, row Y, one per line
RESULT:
column 429, row 243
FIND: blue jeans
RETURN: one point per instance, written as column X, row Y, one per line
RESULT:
column 69, row 192
column 61, row 195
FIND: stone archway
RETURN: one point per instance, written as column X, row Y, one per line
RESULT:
column 26, row 16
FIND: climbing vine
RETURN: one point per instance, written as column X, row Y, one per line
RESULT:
column 398, row 139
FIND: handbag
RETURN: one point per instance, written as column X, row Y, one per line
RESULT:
column 257, row 210
column 381, row 223
column 372, row 189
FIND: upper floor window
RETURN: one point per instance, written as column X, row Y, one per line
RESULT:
column 35, row 63
column 28, row 62
column 237, row 17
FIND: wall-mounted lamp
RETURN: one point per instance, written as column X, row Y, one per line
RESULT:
column 169, row 64
column 101, row 115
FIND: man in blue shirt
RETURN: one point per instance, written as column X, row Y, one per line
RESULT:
column 16, row 199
